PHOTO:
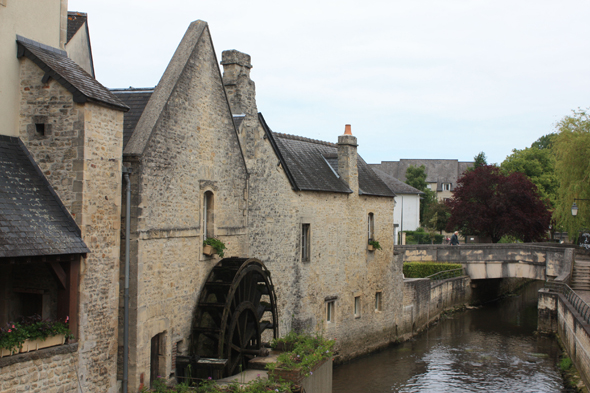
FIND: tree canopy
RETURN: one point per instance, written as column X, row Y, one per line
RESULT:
column 487, row 202
column 416, row 177
column 538, row 164
column 572, row 167
column 437, row 216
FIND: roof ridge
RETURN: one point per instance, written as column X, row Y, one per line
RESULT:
column 304, row 139
column 131, row 89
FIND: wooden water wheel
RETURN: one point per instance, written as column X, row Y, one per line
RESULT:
column 236, row 306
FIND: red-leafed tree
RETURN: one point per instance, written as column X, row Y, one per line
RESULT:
column 487, row 202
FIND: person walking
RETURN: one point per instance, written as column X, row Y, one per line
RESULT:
column 455, row 239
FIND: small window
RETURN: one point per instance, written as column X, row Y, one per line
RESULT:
column 378, row 305
column 40, row 129
column 371, row 226
column 208, row 215
column 330, row 311
column 305, row 246
column 357, row 306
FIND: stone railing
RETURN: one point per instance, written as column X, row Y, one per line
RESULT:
column 572, row 297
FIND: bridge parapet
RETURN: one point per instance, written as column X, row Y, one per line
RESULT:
column 501, row 260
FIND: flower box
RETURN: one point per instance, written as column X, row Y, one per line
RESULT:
column 208, row 250
column 39, row 343
column 34, row 345
column 319, row 380
column 370, row 247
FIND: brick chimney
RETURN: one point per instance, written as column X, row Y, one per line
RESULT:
column 241, row 90
column 347, row 159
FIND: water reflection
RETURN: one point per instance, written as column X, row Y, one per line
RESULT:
column 492, row 349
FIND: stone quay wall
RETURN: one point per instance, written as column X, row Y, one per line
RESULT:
column 424, row 302
column 557, row 315
column 80, row 154
column 49, row 370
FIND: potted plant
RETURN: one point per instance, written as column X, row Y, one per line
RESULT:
column 32, row 333
column 303, row 354
column 374, row 245
column 213, row 246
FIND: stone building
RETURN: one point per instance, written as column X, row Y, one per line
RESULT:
column 313, row 207
column 188, row 182
column 72, row 128
column 205, row 164
column 441, row 175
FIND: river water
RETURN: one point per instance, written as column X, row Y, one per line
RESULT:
column 491, row 349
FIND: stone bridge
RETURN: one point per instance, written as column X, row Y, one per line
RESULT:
column 482, row 261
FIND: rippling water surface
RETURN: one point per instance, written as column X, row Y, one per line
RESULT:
column 492, row 349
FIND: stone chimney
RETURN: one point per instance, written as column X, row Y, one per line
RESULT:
column 241, row 90
column 347, row 159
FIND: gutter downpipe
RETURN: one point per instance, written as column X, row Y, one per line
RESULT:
column 126, row 172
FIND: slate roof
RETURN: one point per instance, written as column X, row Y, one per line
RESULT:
column 395, row 185
column 33, row 221
column 136, row 99
column 312, row 165
column 66, row 72
column 75, row 21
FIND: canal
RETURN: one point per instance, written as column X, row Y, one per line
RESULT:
column 490, row 349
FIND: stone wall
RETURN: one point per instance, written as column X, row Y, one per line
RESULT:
column 190, row 148
column 557, row 315
column 50, row 370
column 80, row 153
column 424, row 302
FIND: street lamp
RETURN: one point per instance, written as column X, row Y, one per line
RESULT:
column 575, row 207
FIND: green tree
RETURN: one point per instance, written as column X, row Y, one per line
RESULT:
column 572, row 168
column 437, row 216
column 480, row 160
column 545, row 142
column 416, row 177
column 538, row 164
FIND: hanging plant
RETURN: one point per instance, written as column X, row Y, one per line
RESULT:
column 217, row 245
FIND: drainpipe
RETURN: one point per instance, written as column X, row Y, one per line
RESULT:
column 126, row 172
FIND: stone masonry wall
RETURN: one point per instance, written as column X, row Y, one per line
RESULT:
column 340, row 267
column 193, row 148
column 50, row 370
column 80, row 154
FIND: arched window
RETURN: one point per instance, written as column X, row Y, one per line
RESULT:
column 371, row 227
column 208, row 215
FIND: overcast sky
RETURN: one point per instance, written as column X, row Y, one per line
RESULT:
column 416, row 79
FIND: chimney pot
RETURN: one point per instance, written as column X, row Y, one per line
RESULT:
column 347, row 130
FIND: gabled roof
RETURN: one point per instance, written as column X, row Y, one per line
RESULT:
column 75, row 21
column 136, row 99
column 33, row 221
column 395, row 185
column 312, row 165
column 67, row 73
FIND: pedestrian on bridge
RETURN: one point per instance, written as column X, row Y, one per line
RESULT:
column 455, row 239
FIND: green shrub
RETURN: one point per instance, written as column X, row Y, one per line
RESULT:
column 419, row 236
column 301, row 351
column 425, row 269
column 565, row 363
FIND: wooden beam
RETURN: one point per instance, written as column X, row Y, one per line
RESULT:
column 59, row 272
column 74, row 292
